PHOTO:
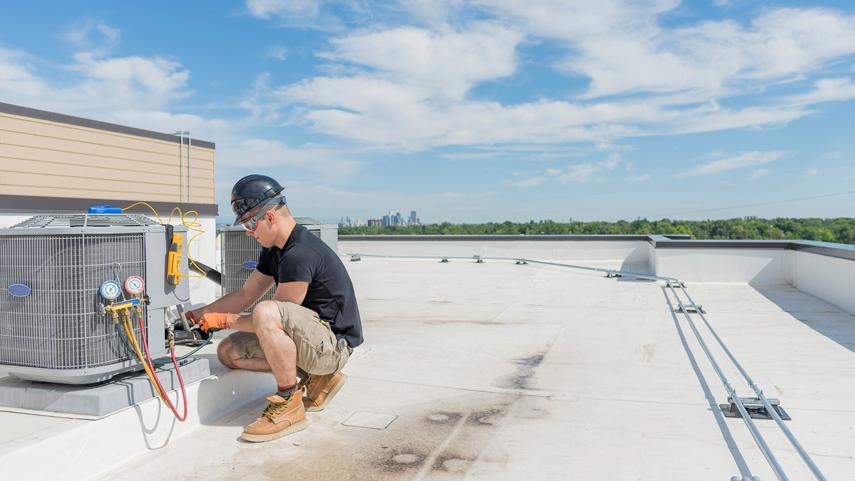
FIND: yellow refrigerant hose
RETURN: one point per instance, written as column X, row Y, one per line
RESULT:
column 129, row 332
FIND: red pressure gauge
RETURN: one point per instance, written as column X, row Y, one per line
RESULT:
column 134, row 285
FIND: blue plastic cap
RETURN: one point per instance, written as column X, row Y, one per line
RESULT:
column 20, row 290
column 249, row 265
column 104, row 209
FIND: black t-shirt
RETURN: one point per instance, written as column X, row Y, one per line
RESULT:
column 306, row 258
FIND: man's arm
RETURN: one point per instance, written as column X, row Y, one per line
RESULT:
column 286, row 292
column 236, row 302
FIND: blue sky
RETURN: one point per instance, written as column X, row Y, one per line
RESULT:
column 473, row 111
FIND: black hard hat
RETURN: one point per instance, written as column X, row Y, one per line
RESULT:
column 251, row 192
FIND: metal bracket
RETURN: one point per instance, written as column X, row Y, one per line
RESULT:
column 444, row 260
column 355, row 257
column 687, row 309
column 521, row 262
column 675, row 283
column 611, row 274
column 755, row 408
column 744, row 478
column 478, row 259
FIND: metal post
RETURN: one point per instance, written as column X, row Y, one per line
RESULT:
column 180, row 135
column 189, row 166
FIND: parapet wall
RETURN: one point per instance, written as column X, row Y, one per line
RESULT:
column 821, row 269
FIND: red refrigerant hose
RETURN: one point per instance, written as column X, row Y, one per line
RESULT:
column 165, row 398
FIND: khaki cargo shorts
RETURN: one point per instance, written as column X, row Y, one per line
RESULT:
column 318, row 350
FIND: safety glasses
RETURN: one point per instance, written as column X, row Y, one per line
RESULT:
column 251, row 223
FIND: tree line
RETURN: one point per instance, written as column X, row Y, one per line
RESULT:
column 840, row 229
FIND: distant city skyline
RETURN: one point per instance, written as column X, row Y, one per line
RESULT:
column 472, row 112
column 390, row 219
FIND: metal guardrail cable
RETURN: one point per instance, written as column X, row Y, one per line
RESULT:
column 530, row 261
column 670, row 283
column 759, row 392
column 755, row 433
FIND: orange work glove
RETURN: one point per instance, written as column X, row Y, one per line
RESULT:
column 216, row 320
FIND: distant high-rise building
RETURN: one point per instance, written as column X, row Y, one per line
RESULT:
column 413, row 220
column 375, row 223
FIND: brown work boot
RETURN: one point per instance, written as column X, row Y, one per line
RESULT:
column 320, row 389
column 280, row 418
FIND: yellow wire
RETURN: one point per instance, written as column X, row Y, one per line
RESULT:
column 147, row 205
column 193, row 225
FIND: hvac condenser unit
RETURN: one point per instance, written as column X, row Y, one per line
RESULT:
column 239, row 253
column 56, row 274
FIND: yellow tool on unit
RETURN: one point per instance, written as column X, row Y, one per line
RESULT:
column 176, row 248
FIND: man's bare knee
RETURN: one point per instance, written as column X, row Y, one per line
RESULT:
column 266, row 315
column 225, row 353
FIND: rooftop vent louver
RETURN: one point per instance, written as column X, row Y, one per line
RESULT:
column 52, row 326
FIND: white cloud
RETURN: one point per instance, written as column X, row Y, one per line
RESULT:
column 324, row 15
column 530, row 182
column 448, row 63
column 741, row 161
column 92, row 36
column 637, row 178
column 579, row 173
column 300, row 9
column 622, row 47
column 827, row 90
column 264, row 153
column 760, row 173
column 410, row 88
column 17, row 80
column 279, row 52
column 133, row 90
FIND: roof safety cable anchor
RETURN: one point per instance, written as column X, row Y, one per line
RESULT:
column 521, row 262
column 755, row 407
column 355, row 258
column 443, row 260
column 690, row 309
column 675, row 283
column 478, row 259
column 611, row 274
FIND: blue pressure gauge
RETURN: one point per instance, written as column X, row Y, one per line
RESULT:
column 110, row 290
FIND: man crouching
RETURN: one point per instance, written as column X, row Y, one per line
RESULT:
column 312, row 323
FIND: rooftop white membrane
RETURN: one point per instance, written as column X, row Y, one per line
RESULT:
column 501, row 371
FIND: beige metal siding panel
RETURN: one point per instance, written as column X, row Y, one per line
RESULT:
column 38, row 191
column 112, row 151
column 70, row 179
column 43, row 128
column 11, row 155
column 46, row 158
column 106, row 175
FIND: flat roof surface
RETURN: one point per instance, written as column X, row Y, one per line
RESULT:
column 505, row 372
